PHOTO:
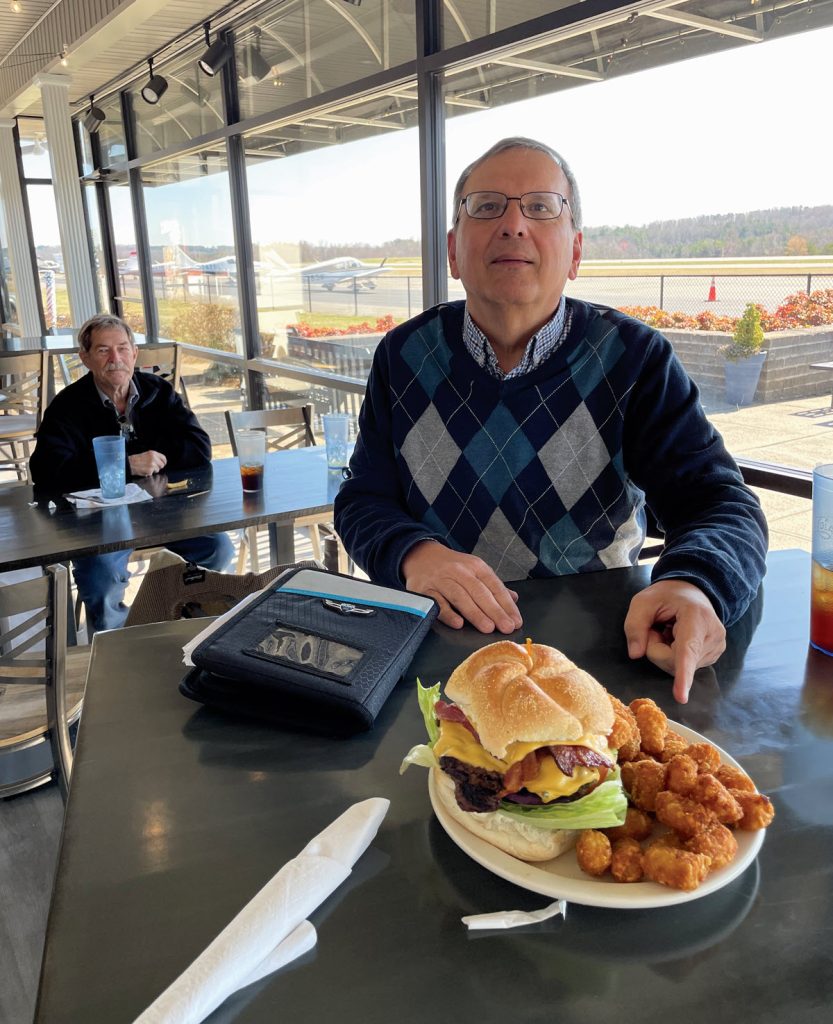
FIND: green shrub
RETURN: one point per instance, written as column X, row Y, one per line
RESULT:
column 748, row 336
column 206, row 324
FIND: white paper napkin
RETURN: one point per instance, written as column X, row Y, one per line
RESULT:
column 92, row 497
column 238, row 954
column 514, row 918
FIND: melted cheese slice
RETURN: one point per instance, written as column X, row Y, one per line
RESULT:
column 455, row 740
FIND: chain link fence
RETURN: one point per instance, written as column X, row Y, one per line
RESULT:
column 722, row 294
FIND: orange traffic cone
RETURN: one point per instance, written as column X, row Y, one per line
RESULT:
column 712, row 293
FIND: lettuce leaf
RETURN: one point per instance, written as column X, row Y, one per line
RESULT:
column 428, row 697
column 423, row 753
column 603, row 808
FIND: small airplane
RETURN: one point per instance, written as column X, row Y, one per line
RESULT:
column 344, row 270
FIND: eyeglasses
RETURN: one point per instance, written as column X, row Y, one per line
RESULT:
column 125, row 427
column 534, row 205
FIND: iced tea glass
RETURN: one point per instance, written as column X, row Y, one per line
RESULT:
column 821, row 598
column 251, row 450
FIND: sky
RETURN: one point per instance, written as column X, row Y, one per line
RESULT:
column 737, row 131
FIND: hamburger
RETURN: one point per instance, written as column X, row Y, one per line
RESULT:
column 519, row 749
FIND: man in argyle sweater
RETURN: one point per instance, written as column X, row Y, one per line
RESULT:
column 521, row 434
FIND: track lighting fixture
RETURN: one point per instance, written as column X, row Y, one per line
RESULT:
column 253, row 68
column 216, row 55
column 154, row 88
column 94, row 118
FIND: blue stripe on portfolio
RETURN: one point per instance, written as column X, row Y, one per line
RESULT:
column 353, row 600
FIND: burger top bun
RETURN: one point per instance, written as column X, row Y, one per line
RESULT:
column 521, row 840
column 526, row 692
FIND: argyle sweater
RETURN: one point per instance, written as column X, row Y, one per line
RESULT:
column 548, row 473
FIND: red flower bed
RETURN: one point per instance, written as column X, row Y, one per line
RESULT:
column 382, row 326
column 799, row 310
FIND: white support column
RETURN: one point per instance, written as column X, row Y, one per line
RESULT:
column 68, row 199
column 20, row 254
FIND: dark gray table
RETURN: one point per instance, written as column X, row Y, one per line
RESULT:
column 177, row 816
column 297, row 483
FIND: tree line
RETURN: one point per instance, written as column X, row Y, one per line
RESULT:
column 785, row 231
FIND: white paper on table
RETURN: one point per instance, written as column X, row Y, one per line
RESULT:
column 245, row 946
column 514, row 918
column 92, row 498
column 192, row 645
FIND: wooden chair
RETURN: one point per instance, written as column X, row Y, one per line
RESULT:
column 285, row 428
column 41, row 683
column 23, row 384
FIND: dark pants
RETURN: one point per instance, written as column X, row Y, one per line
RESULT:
column 102, row 579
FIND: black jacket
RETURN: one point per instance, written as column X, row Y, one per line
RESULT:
column 63, row 459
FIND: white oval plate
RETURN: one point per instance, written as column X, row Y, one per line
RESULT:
column 562, row 878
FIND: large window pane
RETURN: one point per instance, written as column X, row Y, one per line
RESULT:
column 299, row 50
column 191, row 106
column 8, row 305
column 98, row 249
column 124, row 236
column 667, row 227
column 34, row 152
column 51, row 276
column 188, row 209
column 336, row 243
column 464, row 19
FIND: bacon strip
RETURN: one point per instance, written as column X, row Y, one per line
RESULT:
column 520, row 773
column 567, row 757
column 445, row 712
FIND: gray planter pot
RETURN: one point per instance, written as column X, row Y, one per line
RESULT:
column 742, row 377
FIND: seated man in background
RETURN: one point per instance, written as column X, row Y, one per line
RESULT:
column 159, row 432
column 519, row 434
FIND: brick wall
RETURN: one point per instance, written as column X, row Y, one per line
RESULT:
column 786, row 372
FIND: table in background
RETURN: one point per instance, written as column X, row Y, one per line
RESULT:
column 178, row 815
column 829, row 368
column 296, row 483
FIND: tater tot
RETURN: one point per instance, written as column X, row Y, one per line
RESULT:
column 734, row 778
column 716, row 842
column 757, row 809
column 624, row 736
column 681, row 774
column 709, row 791
column 706, row 756
column 593, row 852
column 674, row 744
column 678, row 869
column 667, row 839
column 626, row 861
column 653, row 725
column 647, row 780
column 682, row 814
column 637, row 825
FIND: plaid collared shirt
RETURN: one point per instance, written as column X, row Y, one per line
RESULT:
column 539, row 347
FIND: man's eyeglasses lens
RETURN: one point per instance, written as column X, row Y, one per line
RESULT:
column 534, row 205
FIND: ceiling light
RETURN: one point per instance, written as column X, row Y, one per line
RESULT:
column 94, row 118
column 154, row 88
column 15, row 6
column 216, row 55
column 64, row 56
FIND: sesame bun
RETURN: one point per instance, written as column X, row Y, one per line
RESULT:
column 527, row 692
column 521, row 840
